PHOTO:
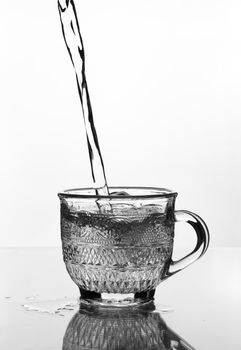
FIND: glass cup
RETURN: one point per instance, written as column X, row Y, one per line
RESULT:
column 118, row 248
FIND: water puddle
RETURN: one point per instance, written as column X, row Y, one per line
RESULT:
column 163, row 309
column 53, row 306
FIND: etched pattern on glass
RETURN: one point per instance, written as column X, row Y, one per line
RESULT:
column 122, row 252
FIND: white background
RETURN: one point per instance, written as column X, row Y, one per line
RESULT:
column 165, row 85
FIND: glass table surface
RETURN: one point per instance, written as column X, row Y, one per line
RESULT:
column 198, row 308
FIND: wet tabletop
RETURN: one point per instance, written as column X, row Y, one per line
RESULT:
column 199, row 308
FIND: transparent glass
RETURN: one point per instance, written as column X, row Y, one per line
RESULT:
column 118, row 248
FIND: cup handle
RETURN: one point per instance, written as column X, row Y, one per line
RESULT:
column 202, row 241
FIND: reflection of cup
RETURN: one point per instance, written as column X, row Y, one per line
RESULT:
column 123, row 243
column 128, row 328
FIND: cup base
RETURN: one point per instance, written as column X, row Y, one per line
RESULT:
column 116, row 300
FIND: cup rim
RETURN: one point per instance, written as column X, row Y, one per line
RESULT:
column 157, row 192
